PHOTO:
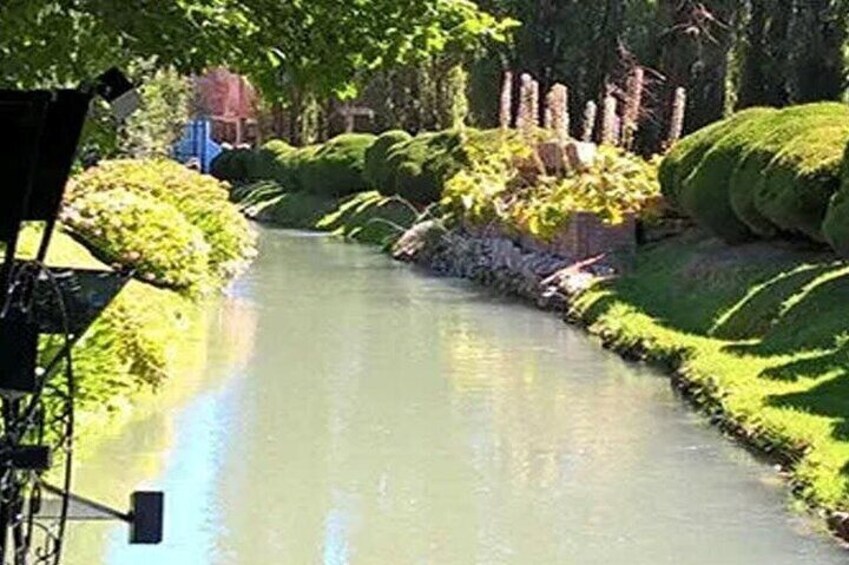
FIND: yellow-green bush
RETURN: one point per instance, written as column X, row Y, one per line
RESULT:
column 138, row 341
column 203, row 201
column 141, row 233
column 494, row 190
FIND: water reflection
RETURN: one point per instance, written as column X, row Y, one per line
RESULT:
column 170, row 445
column 373, row 415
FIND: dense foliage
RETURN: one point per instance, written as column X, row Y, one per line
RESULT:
column 376, row 172
column 764, row 172
column 141, row 233
column 136, row 343
column 724, row 52
column 200, row 199
column 415, row 168
column 284, row 46
column 418, row 169
column 502, row 188
column 153, row 129
column 173, row 226
column 336, row 168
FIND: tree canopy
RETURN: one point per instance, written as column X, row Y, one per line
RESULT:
column 317, row 44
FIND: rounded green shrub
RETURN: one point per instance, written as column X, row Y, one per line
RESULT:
column 377, row 172
column 835, row 227
column 273, row 162
column 336, row 168
column 686, row 155
column 298, row 164
column 220, row 166
column 704, row 194
column 233, row 165
column 201, row 199
column 803, row 177
column 774, row 134
column 417, row 170
column 142, row 233
column 278, row 146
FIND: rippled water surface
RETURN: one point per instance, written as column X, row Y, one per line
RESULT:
column 355, row 411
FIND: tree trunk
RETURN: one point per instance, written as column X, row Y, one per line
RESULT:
column 610, row 38
column 296, row 118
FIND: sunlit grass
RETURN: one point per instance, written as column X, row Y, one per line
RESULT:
column 765, row 329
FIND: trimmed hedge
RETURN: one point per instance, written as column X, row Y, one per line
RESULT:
column 269, row 162
column 415, row 168
column 686, row 155
column 377, row 173
column 336, row 168
column 418, row 169
column 142, row 233
column 764, row 172
column 232, row 165
column 800, row 182
column 704, row 194
column 201, row 199
column 748, row 179
column 836, row 224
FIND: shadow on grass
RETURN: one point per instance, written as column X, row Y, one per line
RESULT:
column 814, row 318
column 811, row 367
column 828, row 399
column 753, row 316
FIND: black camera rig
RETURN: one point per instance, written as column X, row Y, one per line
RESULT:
column 43, row 312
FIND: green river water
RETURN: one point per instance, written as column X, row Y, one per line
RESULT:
column 354, row 410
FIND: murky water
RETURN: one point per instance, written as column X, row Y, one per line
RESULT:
column 355, row 411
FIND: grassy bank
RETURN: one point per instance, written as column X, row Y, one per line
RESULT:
column 759, row 332
column 367, row 217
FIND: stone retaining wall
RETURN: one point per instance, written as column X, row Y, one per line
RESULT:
column 544, row 274
column 584, row 237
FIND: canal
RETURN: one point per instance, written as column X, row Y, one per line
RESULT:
column 353, row 410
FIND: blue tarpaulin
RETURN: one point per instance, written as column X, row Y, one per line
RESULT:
column 197, row 145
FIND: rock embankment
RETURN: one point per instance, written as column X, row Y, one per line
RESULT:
column 546, row 278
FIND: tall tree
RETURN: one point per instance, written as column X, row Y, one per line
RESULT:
column 765, row 65
column 819, row 65
column 320, row 44
column 694, row 52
